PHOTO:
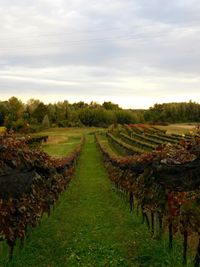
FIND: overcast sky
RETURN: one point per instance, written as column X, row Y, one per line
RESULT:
column 131, row 52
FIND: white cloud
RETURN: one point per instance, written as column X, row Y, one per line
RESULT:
column 146, row 51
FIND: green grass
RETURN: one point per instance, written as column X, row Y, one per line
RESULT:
column 68, row 131
column 91, row 226
column 62, row 141
column 62, row 149
column 112, row 149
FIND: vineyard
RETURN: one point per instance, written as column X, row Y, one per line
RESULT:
column 160, row 176
column 155, row 172
column 30, row 183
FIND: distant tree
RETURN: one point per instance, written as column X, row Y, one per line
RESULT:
column 16, row 108
column 40, row 112
column 110, row 106
column 125, row 117
column 94, row 105
column 14, row 112
column 35, row 114
column 174, row 112
column 138, row 116
column 96, row 117
column 3, row 112
column 45, row 122
column 74, row 120
column 32, row 104
column 51, row 109
column 62, row 111
column 86, row 117
column 79, row 105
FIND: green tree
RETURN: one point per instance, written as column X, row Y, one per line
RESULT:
column 3, row 112
column 45, row 122
column 15, row 111
column 110, row 106
column 125, row 117
column 39, row 112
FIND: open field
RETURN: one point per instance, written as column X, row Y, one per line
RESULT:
column 61, row 146
column 62, row 141
column 179, row 128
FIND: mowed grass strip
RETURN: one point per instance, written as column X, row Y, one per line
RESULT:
column 62, row 141
column 91, row 226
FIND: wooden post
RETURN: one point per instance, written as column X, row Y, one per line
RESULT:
column 185, row 245
column 152, row 222
column 170, row 235
column 197, row 257
column 131, row 201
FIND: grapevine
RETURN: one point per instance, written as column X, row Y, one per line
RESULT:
column 30, row 184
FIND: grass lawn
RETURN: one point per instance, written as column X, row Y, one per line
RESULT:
column 62, row 148
column 62, row 141
column 92, row 227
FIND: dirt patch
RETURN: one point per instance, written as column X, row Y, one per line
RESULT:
column 179, row 128
column 57, row 139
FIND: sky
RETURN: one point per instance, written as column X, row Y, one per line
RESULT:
column 132, row 52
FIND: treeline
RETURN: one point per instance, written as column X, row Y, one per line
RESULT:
column 174, row 112
column 35, row 115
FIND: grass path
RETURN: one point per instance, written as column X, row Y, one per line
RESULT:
column 91, row 226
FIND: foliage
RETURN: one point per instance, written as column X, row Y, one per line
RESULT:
column 96, row 117
column 34, row 181
column 130, row 149
column 63, row 114
column 73, row 236
column 174, row 112
column 110, row 106
column 45, row 122
column 166, row 185
column 125, row 117
column 13, row 112
column 40, row 112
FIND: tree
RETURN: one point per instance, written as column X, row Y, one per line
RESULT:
column 15, row 111
column 125, row 117
column 174, row 112
column 110, row 106
column 3, row 112
column 79, row 105
column 45, row 122
column 16, row 108
column 32, row 104
column 40, row 112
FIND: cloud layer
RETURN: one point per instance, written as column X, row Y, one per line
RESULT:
column 134, row 53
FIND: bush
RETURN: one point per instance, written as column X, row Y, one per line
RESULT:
column 34, row 128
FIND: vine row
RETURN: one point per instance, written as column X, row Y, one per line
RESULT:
column 165, row 184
